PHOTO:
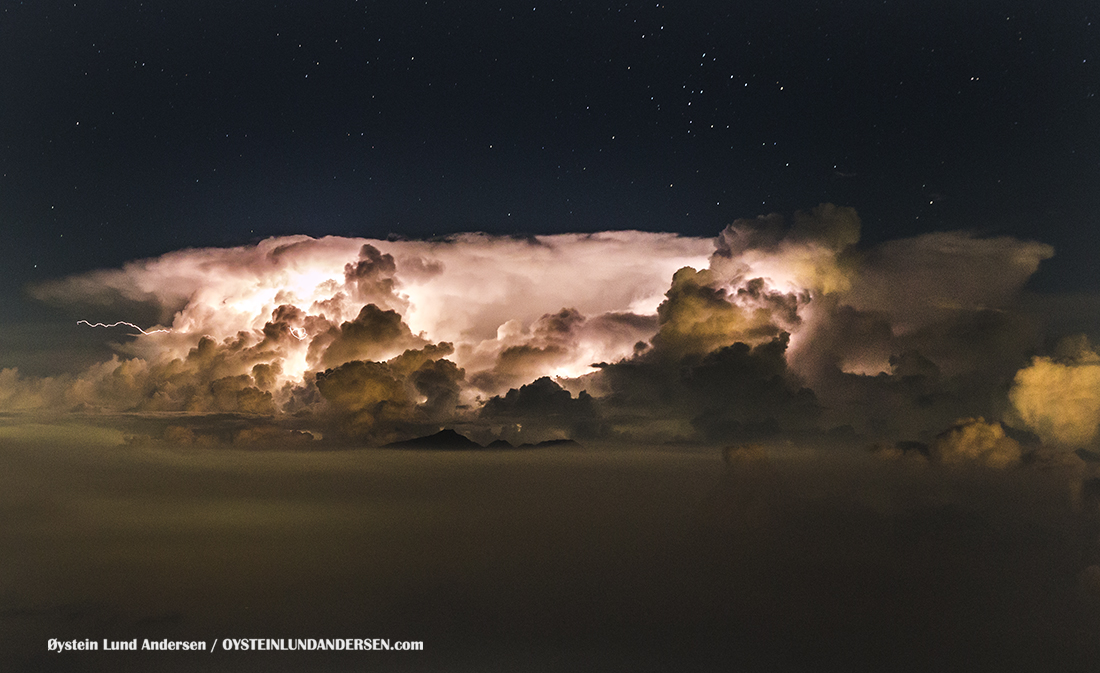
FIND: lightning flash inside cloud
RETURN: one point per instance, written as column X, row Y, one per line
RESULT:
column 775, row 326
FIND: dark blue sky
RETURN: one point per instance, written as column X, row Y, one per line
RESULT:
column 129, row 129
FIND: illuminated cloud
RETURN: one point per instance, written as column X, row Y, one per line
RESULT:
column 564, row 345
column 1059, row 397
column 700, row 316
column 973, row 440
column 774, row 328
column 473, row 290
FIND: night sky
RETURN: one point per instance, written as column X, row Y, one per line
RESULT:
column 755, row 336
column 131, row 129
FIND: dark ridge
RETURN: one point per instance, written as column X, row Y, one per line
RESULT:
column 444, row 439
column 549, row 443
column 499, row 444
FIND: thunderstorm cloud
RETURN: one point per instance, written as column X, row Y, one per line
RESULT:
column 773, row 329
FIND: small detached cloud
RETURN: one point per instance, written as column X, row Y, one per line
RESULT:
column 1059, row 397
column 975, row 441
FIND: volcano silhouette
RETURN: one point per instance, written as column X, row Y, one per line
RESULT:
column 445, row 439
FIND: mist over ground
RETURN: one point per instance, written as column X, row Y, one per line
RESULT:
column 779, row 557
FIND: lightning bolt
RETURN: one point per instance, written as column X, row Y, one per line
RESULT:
column 122, row 322
column 296, row 332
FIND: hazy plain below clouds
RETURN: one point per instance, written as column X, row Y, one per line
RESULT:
column 778, row 557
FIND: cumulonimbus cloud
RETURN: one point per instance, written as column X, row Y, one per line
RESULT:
column 772, row 327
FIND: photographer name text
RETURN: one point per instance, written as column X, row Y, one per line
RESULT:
column 238, row 644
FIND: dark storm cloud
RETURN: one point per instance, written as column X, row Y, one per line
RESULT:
column 948, row 299
column 733, row 393
column 881, row 380
column 407, row 394
column 540, row 411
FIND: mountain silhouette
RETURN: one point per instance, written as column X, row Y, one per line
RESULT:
column 444, row 439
